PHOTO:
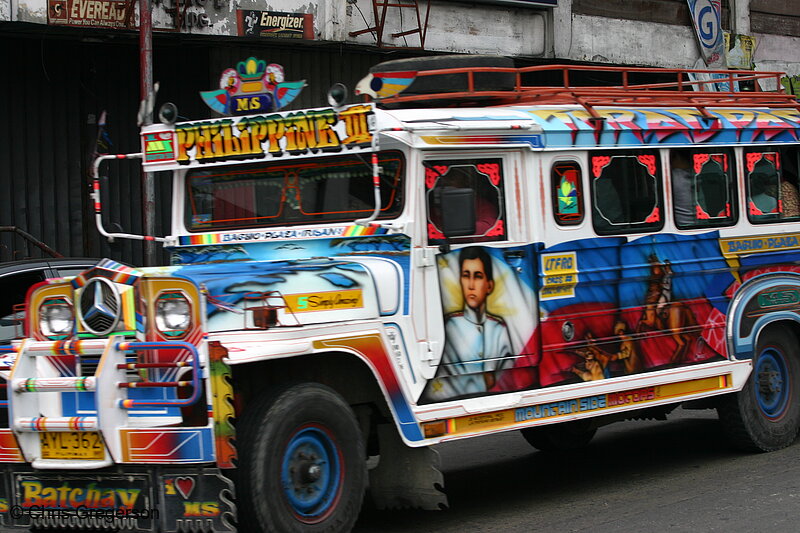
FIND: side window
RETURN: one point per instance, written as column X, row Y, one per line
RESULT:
column 702, row 188
column 772, row 185
column 566, row 190
column 484, row 177
column 13, row 289
column 763, row 186
column 626, row 193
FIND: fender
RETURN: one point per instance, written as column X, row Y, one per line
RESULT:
column 370, row 348
column 760, row 301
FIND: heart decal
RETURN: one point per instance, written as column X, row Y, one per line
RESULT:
column 185, row 486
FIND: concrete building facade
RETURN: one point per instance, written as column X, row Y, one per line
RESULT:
column 71, row 60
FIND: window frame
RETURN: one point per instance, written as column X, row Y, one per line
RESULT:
column 784, row 159
column 395, row 204
column 730, row 173
column 650, row 160
column 554, row 189
column 432, row 234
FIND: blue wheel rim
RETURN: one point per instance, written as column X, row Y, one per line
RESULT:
column 772, row 383
column 311, row 473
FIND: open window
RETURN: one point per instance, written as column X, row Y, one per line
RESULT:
column 772, row 184
column 763, row 186
column 626, row 192
column 703, row 192
column 479, row 179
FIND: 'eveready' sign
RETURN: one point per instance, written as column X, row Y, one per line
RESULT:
column 88, row 13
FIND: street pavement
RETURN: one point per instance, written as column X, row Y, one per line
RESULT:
column 677, row 475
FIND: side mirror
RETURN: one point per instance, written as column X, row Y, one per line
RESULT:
column 458, row 211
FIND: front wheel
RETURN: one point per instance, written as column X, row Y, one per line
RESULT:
column 765, row 415
column 302, row 466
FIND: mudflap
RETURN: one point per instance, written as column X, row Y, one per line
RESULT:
column 128, row 498
column 408, row 477
column 201, row 501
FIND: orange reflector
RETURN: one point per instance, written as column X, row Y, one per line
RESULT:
column 434, row 429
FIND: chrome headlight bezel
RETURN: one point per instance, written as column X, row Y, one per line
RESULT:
column 56, row 327
column 173, row 313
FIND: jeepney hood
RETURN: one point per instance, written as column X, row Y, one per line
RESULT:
column 303, row 291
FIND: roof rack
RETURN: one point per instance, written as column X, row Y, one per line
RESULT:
column 652, row 87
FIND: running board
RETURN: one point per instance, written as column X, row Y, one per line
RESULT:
column 517, row 410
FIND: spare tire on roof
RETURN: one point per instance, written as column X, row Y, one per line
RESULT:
column 484, row 81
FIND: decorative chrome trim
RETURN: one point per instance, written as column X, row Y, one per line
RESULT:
column 100, row 306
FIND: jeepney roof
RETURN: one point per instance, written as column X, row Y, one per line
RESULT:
column 561, row 127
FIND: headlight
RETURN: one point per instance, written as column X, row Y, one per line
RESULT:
column 56, row 318
column 173, row 314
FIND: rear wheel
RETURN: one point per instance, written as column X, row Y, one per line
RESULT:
column 765, row 415
column 302, row 466
column 565, row 436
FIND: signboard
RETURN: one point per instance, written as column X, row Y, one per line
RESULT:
column 521, row 3
column 88, row 13
column 706, row 19
column 275, row 24
column 256, row 137
column 739, row 51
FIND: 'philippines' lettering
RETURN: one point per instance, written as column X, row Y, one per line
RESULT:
column 274, row 135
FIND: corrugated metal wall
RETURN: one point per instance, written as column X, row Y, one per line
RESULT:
column 40, row 146
column 56, row 89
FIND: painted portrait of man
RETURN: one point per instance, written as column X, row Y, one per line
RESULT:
column 477, row 342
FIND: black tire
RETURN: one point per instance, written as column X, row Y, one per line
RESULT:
column 484, row 81
column 302, row 462
column 765, row 415
column 558, row 437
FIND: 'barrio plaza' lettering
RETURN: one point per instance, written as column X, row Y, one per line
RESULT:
column 748, row 245
column 254, row 137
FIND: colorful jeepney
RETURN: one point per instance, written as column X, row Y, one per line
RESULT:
column 368, row 280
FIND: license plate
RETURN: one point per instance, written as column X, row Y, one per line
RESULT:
column 71, row 445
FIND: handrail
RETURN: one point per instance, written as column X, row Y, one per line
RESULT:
column 98, row 206
column 195, row 382
column 31, row 239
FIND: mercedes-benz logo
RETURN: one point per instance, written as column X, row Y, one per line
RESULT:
column 100, row 306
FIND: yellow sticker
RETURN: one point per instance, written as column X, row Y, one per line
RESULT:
column 559, row 275
column 324, row 301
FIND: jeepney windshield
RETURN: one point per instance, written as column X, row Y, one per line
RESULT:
column 329, row 189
